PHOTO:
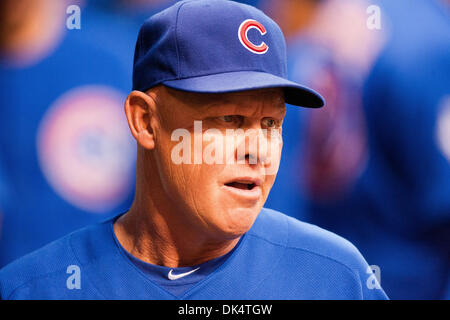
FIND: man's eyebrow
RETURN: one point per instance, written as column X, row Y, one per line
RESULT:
column 207, row 107
column 217, row 100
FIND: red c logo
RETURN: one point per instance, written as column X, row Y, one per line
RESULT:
column 242, row 34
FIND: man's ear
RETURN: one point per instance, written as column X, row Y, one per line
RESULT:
column 140, row 110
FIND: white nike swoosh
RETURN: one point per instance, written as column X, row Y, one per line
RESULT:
column 181, row 275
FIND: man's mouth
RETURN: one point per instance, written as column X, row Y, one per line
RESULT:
column 247, row 189
column 241, row 185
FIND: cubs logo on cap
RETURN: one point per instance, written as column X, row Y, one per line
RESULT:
column 243, row 37
column 198, row 46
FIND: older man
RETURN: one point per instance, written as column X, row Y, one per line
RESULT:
column 207, row 109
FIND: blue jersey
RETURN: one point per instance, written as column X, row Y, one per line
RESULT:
column 278, row 258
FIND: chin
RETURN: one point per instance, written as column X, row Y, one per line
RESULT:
column 238, row 221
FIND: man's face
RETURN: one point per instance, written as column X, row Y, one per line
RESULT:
column 241, row 133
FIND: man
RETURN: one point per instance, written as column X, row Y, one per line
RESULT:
column 203, row 71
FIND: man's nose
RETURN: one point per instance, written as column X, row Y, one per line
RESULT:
column 252, row 146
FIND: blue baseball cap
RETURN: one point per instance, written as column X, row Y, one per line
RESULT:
column 215, row 46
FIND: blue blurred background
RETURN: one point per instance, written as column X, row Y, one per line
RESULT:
column 372, row 166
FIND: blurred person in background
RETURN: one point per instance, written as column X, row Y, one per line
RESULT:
column 376, row 159
column 329, row 53
column 60, row 169
column 406, row 187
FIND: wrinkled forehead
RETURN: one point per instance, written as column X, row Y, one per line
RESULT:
column 260, row 98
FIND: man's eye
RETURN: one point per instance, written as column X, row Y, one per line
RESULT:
column 269, row 122
column 228, row 118
column 231, row 119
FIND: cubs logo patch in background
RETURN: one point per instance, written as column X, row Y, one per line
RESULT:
column 85, row 150
column 243, row 36
column 443, row 127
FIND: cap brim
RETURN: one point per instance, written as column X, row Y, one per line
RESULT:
column 295, row 94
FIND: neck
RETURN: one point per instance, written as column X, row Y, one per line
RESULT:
column 150, row 237
column 156, row 231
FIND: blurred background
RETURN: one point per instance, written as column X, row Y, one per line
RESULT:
column 373, row 165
